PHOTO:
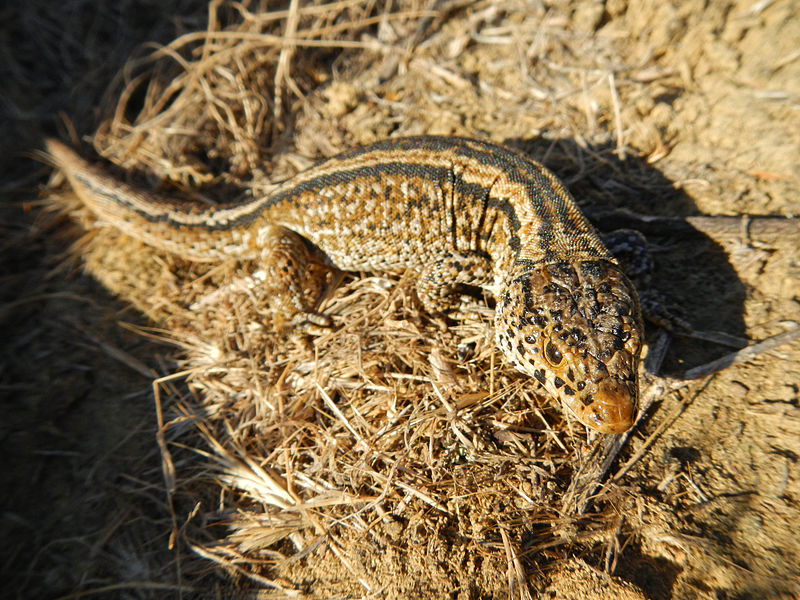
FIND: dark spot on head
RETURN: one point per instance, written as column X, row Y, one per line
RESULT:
column 558, row 381
column 530, row 339
column 580, row 385
column 570, row 374
column 569, row 391
column 592, row 269
column 529, row 306
column 587, row 400
column 539, row 376
column 540, row 321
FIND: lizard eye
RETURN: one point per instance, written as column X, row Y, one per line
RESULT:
column 553, row 354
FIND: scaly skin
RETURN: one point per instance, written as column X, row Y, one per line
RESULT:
column 458, row 211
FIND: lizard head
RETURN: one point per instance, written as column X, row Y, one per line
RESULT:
column 576, row 328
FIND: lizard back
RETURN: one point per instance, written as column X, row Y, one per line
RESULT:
column 386, row 206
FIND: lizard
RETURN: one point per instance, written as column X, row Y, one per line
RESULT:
column 457, row 212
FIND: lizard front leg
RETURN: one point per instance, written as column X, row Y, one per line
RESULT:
column 288, row 259
column 632, row 251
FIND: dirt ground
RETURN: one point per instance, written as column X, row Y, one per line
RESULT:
column 273, row 466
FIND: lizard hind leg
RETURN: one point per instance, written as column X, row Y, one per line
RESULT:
column 440, row 279
column 293, row 279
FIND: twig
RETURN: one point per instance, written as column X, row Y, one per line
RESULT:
column 744, row 354
column 620, row 151
column 761, row 229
